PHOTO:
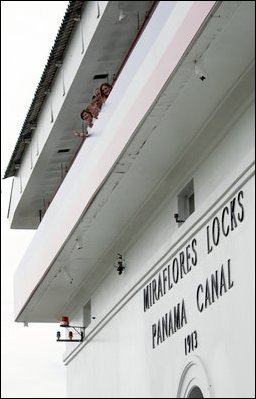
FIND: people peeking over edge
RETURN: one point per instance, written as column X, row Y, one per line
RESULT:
column 105, row 89
column 92, row 110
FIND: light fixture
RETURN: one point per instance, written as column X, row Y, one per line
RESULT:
column 64, row 322
column 77, row 18
column 78, row 244
column 58, row 64
column 27, row 140
column 200, row 69
column 121, row 15
column 120, row 264
column 67, row 276
column 32, row 125
column 98, row 10
column 176, row 217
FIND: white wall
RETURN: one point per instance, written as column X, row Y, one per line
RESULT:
column 119, row 360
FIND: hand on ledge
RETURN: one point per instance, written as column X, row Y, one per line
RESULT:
column 80, row 134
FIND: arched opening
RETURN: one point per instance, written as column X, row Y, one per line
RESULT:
column 195, row 392
column 194, row 382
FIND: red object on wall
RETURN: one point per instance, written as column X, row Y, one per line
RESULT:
column 64, row 321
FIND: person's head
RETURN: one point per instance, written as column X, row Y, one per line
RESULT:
column 87, row 117
column 97, row 92
column 105, row 89
column 96, row 98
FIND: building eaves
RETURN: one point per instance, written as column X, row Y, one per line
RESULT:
column 55, row 59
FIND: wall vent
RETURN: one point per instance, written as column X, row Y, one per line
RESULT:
column 103, row 76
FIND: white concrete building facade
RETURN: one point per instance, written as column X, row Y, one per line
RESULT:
column 164, row 185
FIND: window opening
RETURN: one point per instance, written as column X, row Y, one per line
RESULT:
column 186, row 203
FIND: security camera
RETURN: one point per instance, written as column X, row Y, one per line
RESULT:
column 200, row 71
column 120, row 264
